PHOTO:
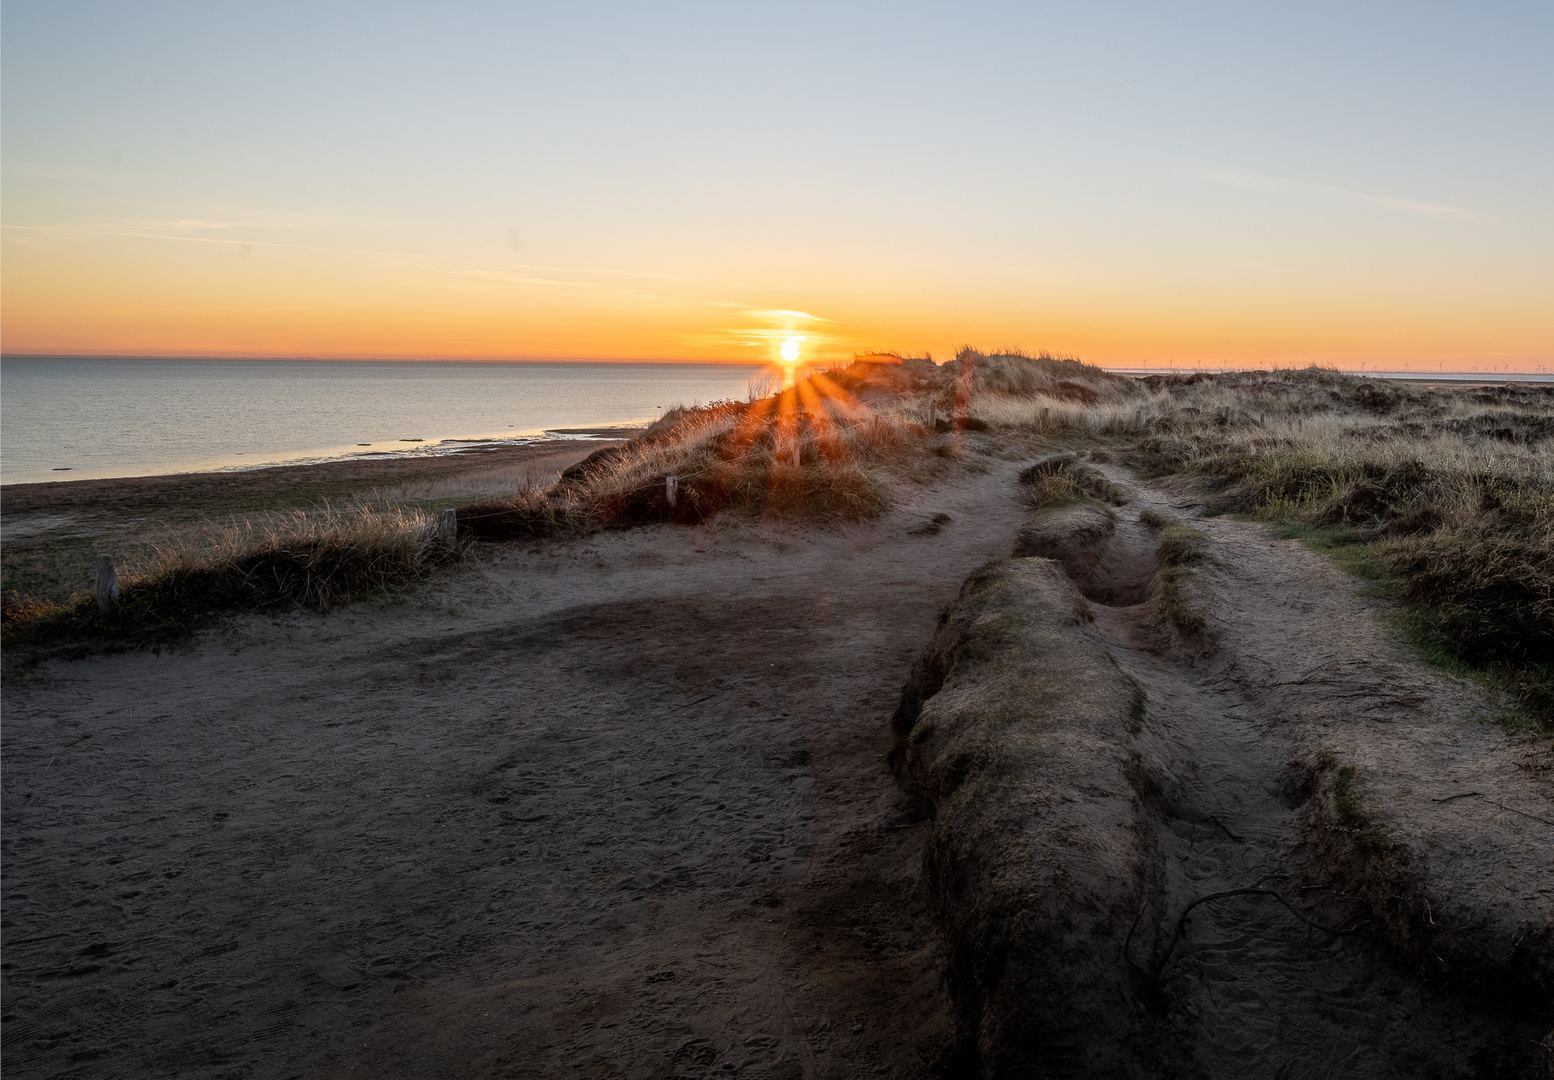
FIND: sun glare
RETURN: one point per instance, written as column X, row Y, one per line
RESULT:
column 790, row 350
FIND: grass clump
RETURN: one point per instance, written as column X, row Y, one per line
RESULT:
column 813, row 452
column 1063, row 478
column 1443, row 497
column 1180, row 590
column 316, row 560
column 1346, row 801
column 1179, row 549
column 1180, row 546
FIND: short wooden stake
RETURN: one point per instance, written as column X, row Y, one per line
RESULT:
column 448, row 529
column 671, row 488
column 933, row 415
column 106, row 587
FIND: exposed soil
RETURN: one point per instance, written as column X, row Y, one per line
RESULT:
column 1444, row 865
column 618, row 807
column 52, row 530
column 613, row 807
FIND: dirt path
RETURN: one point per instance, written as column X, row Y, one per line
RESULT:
column 614, row 808
column 1294, row 664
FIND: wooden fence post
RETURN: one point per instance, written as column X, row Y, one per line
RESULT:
column 448, row 529
column 106, row 587
column 933, row 415
column 671, row 489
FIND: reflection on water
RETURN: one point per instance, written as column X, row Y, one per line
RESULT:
column 97, row 417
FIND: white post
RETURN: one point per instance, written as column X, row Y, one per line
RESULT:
column 448, row 529
column 106, row 587
column 933, row 415
column 671, row 488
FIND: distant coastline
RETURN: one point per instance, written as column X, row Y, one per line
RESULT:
column 1466, row 377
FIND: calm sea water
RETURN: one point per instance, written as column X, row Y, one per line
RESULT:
column 100, row 418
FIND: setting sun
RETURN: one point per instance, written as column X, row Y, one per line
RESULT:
column 790, row 350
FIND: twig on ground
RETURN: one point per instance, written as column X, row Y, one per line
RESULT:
column 1255, row 889
column 1492, row 802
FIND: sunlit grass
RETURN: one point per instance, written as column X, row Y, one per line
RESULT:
column 310, row 559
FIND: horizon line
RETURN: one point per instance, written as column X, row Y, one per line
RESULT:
column 1124, row 367
column 379, row 359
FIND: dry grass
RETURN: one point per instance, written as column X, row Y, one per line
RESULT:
column 1445, row 496
column 317, row 560
column 1449, row 490
column 1447, row 493
column 812, row 452
column 1063, row 478
column 1178, row 549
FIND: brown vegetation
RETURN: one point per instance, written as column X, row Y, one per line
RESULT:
column 813, row 451
column 1442, row 495
column 1008, row 712
column 315, row 560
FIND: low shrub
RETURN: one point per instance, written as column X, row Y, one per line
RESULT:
column 311, row 560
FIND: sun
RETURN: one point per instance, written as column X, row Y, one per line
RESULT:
column 790, row 350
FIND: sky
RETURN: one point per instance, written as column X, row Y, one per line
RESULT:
column 1253, row 184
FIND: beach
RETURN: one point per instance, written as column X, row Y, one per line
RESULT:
column 52, row 530
column 900, row 742
column 612, row 806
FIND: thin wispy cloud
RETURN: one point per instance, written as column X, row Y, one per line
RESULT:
column 1259, row 182
column 783, row 323
column 239, row 233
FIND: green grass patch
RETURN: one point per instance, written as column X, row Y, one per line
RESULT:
column 1454, row 627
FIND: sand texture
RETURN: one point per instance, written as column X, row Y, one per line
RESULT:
column 1070, row 839
column 621, row 807
column 606, row 808
column 51, row 531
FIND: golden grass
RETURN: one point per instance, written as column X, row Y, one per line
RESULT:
column 812, row 452
column 1444, row 496
column 1450, row 489
column 313, row 559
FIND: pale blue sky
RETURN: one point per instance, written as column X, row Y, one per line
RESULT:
column 1084, row 162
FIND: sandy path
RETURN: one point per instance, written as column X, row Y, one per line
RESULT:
column 1293, row 662
column 612, row 808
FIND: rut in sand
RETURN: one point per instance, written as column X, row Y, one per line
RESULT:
column 616, row 807
column 1219, row 918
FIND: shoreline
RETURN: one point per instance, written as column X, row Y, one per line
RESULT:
column 415, row 450
column 53, row 529
column 25, row 495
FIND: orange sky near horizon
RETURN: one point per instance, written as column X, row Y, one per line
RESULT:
column 203, row 292
column 1206, row 185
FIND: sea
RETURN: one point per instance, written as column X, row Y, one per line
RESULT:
column 71, row 418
